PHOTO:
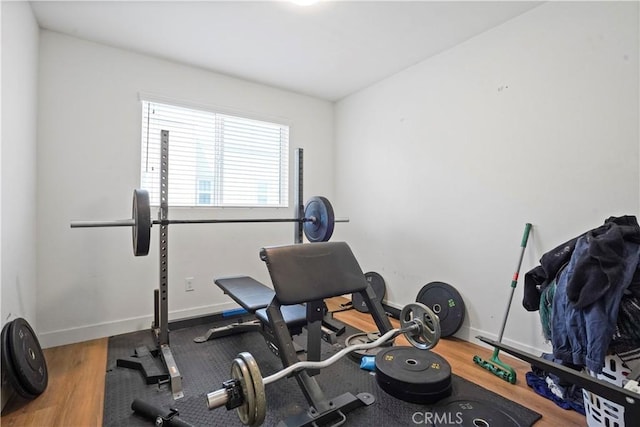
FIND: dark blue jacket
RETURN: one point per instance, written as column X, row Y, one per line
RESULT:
column 589, row 290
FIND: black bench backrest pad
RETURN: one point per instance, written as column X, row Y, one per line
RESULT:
column 246, row 291
column 313, row 271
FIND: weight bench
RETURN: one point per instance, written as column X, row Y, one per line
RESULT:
column 310, row 273
column 254, row 297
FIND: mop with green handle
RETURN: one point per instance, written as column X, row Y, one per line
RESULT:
column 495, row 365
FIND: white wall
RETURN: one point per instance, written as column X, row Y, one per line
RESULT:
column 18, row 177
column 441, row 165
column 89, row 283
column 18, row 166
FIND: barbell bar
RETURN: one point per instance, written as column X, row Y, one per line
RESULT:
column 245, row 392
column 318, row 221
column 132, row 223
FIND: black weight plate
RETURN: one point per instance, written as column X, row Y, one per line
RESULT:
column 470, row 413
column 379, row 287
column 321, row 229
column 413, row 375
column 141, row 230
column 28, row 359
column 8, row 370
column 446, row 302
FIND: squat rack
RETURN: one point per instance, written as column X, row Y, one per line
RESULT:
column 160, row 328
column 143, row 359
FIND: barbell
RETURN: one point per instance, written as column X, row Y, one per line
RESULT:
column 318, row 221
column 245, row 391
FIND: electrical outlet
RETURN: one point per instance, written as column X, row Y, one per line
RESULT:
column 188, row 284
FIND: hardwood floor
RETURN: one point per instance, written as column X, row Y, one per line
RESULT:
column 75, row 394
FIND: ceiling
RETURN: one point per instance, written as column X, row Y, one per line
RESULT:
column 327, row 50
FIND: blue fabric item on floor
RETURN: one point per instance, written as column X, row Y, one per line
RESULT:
column 368, row 363
column 573, row 400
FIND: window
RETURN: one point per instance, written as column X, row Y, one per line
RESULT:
column 215, row 159
column 204, row 192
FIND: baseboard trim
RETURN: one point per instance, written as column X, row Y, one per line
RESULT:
column 122, row 326
column 469, row 334
column 211, row 313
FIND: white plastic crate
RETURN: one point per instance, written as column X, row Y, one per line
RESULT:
column 602, row 412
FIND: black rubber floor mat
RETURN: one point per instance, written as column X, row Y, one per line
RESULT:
column 205, row 366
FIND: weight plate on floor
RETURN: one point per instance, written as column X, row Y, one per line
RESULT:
column 141, row 230
column 8, row 370
column 446, row 302
column 470, row 413
column 379, row 287
column 28, row 359
column 413, row 375
column 363, row 338
column 321, row 228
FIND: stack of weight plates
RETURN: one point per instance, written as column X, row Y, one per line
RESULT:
column 413, row 375
column 23, row 363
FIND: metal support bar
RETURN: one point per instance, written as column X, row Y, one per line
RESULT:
column 131, row 222
column 232, row 329
column 164, row 240
column 309, row 386
column 99, row 224
column 174, row 374
column 315, row 315
column 163, row 333
column 156, row 307
column 374, row 304
column 298, row 206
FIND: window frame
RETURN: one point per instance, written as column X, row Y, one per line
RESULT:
column 283, row 162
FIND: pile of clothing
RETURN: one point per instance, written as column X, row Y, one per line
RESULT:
column 588, row 293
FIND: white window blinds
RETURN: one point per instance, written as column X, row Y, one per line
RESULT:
column 215, row 159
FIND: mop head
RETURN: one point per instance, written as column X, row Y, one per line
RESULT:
column 497, row 367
